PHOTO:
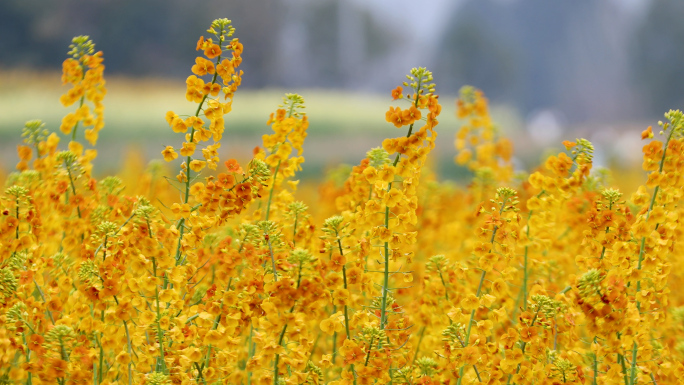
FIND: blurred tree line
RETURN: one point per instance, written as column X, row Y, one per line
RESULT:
column 157, row 37
column 594, row 60
column 141, row 38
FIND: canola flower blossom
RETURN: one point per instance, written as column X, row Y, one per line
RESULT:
column 225, row 273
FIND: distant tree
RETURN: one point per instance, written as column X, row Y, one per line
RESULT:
column 331, row 43
column 658, row 54
column 14, row 29
column 539, row 54
column 28, row 37
column 471, row 53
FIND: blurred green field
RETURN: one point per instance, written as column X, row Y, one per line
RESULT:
column 343, row 125
column 135, row 108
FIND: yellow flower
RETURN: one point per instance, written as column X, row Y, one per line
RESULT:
column 332, row 324
column 326, row 361
column 269, row 308
column 392, row 197
column 123, row 358
column 183, row 210
column 470, row 302
column 166, row 295
column 647, row 133
column 370, row 173
column 178, row 125
column 383, row 233
column 536, row 180
column 500, row 288
column 341, row 297
column 194, row 89
column 212, row 50
column 193, row 354
column 212, row 337
column 328, row 326
column 146, row 317
column 386, row 174
column 68, row 123
column 487, row 261
column 170, row 116
column 487, row 300
column 225, row 69
column 91, row 135
column 202, row 67
column 169, row 154
column 481, row 248
column 197, row 165
column 188, row 149
column 515, row 355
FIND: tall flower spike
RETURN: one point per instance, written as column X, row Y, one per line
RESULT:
column 84, row 70
column 214, row 72
column 289, row 124
column 478, row 142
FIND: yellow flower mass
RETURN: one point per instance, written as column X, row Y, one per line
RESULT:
column 226, row 274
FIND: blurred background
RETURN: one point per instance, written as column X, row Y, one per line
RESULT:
column 553, row 70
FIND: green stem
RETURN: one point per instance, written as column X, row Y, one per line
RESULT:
column 334, row 340
column 420, row 339
column 207, row 358
column 104, row 249
column 370, row 348
column 130, row 352
column 344, row 280
column 270, row 250
column 101, row 365
column 603, row 250
column 80, row 104
column 277, row 357
column 294, row 231
column 595, row 367
column 160, row 334
column 17, row 215
column 282, row 334
column 621, row 359
column 315, row 344
column 634, row 361
column 73, row 188
column 525, row 273
column 199, row 373
column 275, row 173
column 385, row 282
column 446, row 293
column 270, row 194
column 385, row 285
column 346, row 315
column 42, row 296
column 28, row 358
column 250, row 351
column 472, row 312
